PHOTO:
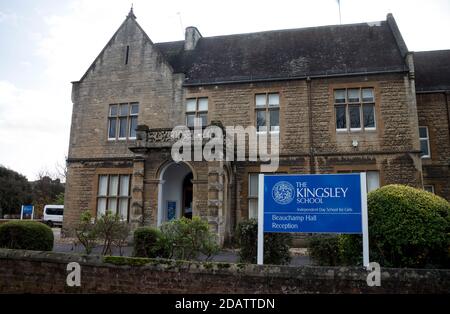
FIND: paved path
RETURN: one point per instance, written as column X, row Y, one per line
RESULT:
column 299, row 257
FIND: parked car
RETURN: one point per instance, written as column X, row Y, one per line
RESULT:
column 53, row 215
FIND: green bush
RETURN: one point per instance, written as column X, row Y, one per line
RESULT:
column 26, row 235
column 407, row 228
column 325, row 251
column 85, row 232
column 350, row 249
column 112, row 231
column 188, row 238
column 148, row 242
column 109, row 229
column 276, row 245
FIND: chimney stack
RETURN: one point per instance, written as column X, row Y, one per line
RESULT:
column 192, row 36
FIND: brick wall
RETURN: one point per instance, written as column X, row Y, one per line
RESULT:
column 43, row 272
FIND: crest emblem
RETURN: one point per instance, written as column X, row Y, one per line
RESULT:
column 283, row 193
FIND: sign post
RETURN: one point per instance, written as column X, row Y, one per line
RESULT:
column 27, row 212
column 260, row 256
column 364, row 219
column 319, row 203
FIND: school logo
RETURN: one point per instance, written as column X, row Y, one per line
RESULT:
column 283, row 193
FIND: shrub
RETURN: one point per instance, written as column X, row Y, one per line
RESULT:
column 325, row 250
column 276, row 245
column 350, row 250
column 85, row 232
column 148, row 242
column 111, row 229
column 26, row 235
column 407, row 228
column 188, row 238
column 121, row 236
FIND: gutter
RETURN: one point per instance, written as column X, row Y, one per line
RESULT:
column 448, row 111
column 99, row 159
column 291, row 78
column 433, row 91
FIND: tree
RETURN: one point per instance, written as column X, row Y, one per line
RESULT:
column 61, row 170
column 59, row 199
column 15, row 191
column 45, row 191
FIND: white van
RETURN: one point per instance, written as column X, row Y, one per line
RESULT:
column 53, row 215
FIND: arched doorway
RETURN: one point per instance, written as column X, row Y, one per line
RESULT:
column 175, row 196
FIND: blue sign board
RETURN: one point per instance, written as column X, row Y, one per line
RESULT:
column 329, row 203
column 27, row 212
column 171, row 210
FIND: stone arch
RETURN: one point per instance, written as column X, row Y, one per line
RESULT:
column 163, row 166
column 170, row 176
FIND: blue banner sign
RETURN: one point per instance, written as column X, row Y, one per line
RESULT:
column 27, row 212
column 171, row 210
column 328, row 203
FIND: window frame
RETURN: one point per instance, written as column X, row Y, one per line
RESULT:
column 197, row 111
column 267, row 108
column 117, row 197
column 252, row 198
column 256, row 197
column 427, row 139
column 117, row 118
column 343, row 171
column 361, row 104
column 430, row 186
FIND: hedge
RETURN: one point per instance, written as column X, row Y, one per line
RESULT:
column 276, row 245
column 26, row 235
column 147, row 242
column 408, row 227
column 182, row 238
column 324, row 251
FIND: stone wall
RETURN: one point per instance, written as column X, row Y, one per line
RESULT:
column 147, row 78
column 81, row 188
column 433, row 110
column 392, row 149
column 44, row 272
column 396, row 117
column 309, row 142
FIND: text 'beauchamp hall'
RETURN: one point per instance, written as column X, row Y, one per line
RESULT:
column 339, row 99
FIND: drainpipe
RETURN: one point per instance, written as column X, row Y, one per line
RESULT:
column 448, row 110
column 235, row 192
column 312, row 166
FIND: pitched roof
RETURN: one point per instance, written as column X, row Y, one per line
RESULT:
column 432, row 70
column 293, row 53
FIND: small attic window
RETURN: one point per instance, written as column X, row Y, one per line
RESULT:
column 127, row 54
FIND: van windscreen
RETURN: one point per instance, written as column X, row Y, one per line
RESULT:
column 55, row 211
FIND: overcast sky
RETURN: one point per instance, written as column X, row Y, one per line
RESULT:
column 47, row 44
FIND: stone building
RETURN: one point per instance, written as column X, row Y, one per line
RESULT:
column 340, row 99
column 433, row 107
